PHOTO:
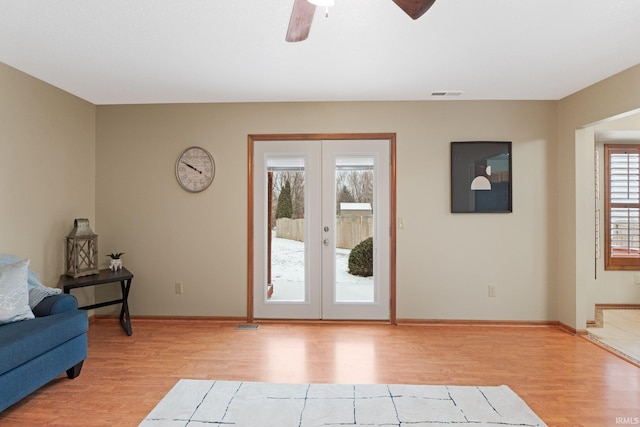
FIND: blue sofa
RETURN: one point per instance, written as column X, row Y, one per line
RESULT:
column 35, row 351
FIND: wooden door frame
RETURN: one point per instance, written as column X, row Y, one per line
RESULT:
column 391, row 137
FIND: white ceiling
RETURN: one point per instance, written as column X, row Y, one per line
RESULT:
column 168, row 51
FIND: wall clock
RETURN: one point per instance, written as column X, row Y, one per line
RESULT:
column 195, row 169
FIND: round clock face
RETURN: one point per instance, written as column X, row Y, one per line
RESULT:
column 195, row 169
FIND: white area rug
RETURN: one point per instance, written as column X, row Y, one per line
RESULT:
column 228, row 403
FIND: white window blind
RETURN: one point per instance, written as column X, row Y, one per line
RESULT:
column 624, row 194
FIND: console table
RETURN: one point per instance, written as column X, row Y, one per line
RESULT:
column 123, row 276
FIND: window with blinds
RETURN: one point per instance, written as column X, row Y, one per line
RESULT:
column 622, row 207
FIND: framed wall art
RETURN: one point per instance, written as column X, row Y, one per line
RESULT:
column 481, row 177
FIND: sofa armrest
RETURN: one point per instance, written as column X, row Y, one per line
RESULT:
column 55, row 304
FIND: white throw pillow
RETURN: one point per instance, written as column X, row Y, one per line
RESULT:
column 14, row 292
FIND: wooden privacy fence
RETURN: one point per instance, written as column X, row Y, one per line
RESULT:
column 350, row 230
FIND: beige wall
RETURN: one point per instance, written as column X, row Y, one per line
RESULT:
column 116, row 168
column 578, row 116
column 47, row 169
column 445, row 262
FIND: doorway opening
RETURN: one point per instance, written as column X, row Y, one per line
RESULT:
column 317, row 203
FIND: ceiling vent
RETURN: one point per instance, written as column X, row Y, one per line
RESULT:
column 446, row 93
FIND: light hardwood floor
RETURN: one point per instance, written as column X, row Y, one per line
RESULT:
column 565, row 379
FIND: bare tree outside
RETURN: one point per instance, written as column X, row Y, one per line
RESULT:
column 358, row 183
column 352, row 186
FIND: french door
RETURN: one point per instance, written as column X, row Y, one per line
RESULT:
column 321, row 229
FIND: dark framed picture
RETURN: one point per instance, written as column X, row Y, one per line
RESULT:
column 481, row 177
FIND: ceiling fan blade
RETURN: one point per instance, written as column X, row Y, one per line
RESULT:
column 300, row 22
column 415, row 8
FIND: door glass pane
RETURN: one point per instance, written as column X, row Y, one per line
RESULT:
column 354, row 183
column 286, row 253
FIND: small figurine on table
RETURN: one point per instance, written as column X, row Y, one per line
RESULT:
column 116, row 262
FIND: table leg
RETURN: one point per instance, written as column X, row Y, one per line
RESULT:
column 125, row 318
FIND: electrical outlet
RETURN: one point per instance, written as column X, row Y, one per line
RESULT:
column 178, row 287
column 492, row 291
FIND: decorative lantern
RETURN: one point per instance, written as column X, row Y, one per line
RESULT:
column 82, row 250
